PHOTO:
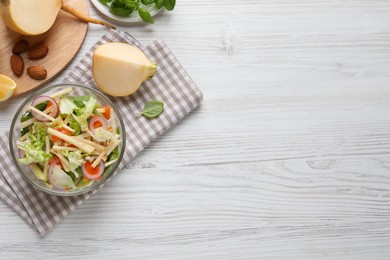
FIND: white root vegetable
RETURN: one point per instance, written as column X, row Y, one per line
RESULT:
column 83, row 136
column 98, row 147
column 33, row 120
column 84, row 18
column 49, row 117
column 72, row 140
column 110, row 162
column 109, row 148
column 113, row 122
column 46, row 167
column 36, row 17
column 100, row 110
column 64, row 148
column 27, row 123
column 24, row 137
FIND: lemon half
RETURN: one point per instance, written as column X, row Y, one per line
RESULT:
column 7, row 87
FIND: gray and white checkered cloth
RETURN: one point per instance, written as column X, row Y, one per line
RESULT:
column 171, row 84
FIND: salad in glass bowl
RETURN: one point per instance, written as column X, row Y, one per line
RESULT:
column 67, row 139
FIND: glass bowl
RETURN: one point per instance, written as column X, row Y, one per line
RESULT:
column 14, row 136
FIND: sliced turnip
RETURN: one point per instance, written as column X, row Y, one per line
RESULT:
column 53, row 113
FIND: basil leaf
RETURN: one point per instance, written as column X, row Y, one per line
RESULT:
column 170, row 4
column 160, row 3
column 145, row 15
column 105, row 2
column 131, row 4
column 122, row 8
column 122, row 12
column 153, row 109
column 148, row 2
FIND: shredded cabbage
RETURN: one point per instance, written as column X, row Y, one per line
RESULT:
column 34, row 147
column 61, row 179
column 103, row 135
column 83, row 113
column 67, row 106
column 75, row 159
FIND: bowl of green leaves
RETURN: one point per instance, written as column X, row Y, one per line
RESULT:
column 131, row 11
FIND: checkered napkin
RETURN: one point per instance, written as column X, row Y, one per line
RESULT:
column 171, row 84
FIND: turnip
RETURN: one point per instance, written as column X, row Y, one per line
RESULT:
column 29, row 17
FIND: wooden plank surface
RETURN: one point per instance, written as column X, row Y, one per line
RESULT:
column 63, row 39
column 288, row 157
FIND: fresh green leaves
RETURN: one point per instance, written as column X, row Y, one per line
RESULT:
column 34, row 147
column 80, row 101
column 169, row 4
column 160, row 4
column 153, row 109
column 73, row 124
column 83, row 113
column 124, row 8
column 145, row 15
column 67, row 106
column 105, row 2
column 119, row 8
column 114, row 155
column 26, row 116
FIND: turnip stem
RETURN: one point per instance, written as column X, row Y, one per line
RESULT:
column 84, row 18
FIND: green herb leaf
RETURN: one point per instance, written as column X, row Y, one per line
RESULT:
column 148, row 2
column 42, row 106
column 170, row 4
column 24, row 131
column 122, row 12
column 26, row 116
column 133, row 4
column 153, row 109
column 160, row 3
column 105, row 2
column 145, row 15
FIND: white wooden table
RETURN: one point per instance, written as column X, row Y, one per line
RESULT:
column 287, row 158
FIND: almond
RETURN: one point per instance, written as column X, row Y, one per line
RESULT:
column 19, row 47
column 37, row 72
column 38, row 51
column 17, row 64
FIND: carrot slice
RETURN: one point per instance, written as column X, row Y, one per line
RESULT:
column 107, row 112
column 97, row 124
column 91, row 170
column 63, row 130
column 49, row 104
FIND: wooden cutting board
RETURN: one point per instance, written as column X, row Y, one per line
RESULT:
column 64, row 40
